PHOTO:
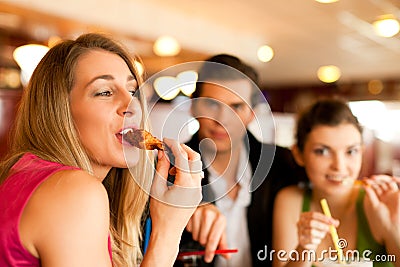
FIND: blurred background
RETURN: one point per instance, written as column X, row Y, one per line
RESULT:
column 302, row 49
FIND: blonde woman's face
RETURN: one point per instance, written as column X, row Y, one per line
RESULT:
column 100, row 99
column 332, row 156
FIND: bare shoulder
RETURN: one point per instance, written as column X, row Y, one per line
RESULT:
column 291, row 193
column 289, row 198
column 70, row 203
column 286, row 213
column 71, row 187
column 287, row 209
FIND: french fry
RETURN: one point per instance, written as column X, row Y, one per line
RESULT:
column 332, row 230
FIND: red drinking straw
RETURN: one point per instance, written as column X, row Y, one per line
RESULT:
column 202, row 252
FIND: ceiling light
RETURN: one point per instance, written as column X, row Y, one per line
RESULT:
column 326, row 1
column 27, row 58
column 375, row 87
column 166, row 87
column 386, row 26
column 139, row 67
column 328, row 74
column 265, row 53
column 187, row 80
column 166, row 46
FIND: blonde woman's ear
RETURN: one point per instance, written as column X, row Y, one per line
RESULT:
column 298, row 156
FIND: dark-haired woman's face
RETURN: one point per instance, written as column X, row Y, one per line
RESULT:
column 103, row 89
column 332, row 156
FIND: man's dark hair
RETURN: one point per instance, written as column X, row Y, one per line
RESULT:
column 228, row 68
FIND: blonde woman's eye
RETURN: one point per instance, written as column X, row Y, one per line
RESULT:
column 135, row 93
column 104, row 93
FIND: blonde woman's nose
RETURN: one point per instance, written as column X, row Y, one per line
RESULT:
column 128, row 105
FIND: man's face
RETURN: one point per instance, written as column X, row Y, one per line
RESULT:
column 223, row 111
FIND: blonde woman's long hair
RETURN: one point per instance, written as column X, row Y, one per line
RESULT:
column 44, row 127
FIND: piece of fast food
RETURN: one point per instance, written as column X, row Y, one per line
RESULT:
column 360, row 183
column 142, row 139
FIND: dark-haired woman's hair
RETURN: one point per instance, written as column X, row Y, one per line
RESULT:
column 328, row 112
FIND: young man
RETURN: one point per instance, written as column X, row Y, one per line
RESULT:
column 242, row 175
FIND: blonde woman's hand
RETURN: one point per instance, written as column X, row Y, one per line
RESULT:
column 312, row 227
column 172, row 205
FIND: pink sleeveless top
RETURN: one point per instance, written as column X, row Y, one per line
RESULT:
column 26, row 175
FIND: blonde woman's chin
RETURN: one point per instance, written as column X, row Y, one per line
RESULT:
column 131, row 156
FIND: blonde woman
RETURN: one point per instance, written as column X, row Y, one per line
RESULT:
column 67, row 143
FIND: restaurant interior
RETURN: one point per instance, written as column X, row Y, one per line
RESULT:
column 301, row 49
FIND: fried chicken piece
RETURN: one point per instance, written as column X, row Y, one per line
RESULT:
column 143, row 139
